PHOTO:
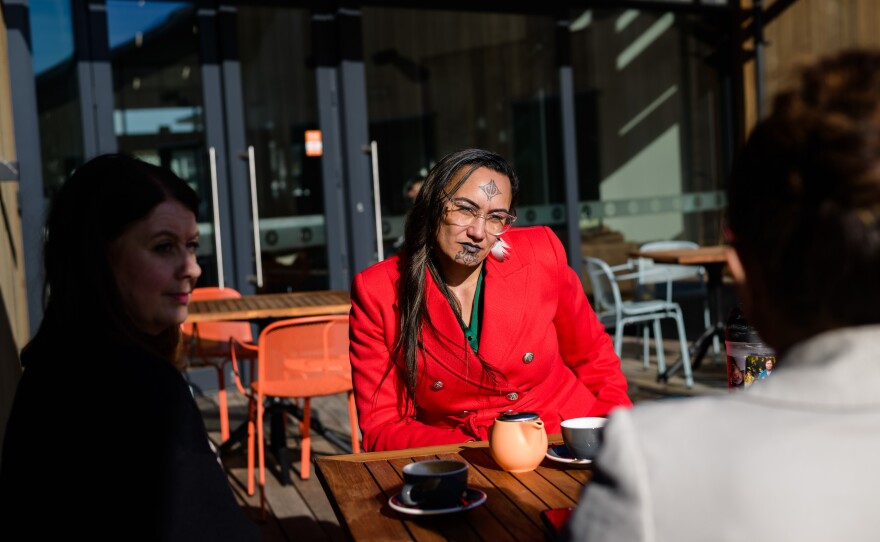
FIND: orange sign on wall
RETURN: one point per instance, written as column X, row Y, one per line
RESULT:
column 314, row 143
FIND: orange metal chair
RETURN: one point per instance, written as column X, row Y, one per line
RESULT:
column 208, row 346
column 299, row 358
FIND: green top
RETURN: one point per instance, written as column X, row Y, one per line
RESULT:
column 472, row 332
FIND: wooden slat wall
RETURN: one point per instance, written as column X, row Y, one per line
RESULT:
column 805, row 29
column 13, row 308
column 12, row 284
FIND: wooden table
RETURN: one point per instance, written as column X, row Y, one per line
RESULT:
column 692, row 256
column 253, row 307
column 359, row 486
column 713, row 259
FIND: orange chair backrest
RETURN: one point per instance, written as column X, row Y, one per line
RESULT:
column 305, row 356
column 213, row 337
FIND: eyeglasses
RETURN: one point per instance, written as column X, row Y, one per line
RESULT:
column 497, row 222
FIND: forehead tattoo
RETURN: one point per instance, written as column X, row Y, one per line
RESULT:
column 490, row 189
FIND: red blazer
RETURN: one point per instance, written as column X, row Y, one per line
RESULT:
column 538, row 331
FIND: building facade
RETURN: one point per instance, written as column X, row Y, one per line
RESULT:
column 299, row 123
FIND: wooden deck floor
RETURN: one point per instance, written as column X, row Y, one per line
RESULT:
column 301, row 511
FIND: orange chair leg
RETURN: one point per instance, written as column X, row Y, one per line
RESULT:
column 224, row 407
column 261, row 453
column 250, row 451
column 261, row 456
column 305, row 459
column 352, row 417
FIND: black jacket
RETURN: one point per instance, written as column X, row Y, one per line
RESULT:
column 107, row 442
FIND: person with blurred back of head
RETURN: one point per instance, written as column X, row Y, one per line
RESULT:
column 104, row 438
column 804, row 228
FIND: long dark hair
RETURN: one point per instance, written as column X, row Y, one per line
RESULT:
column 805, row 197
column 420, row 235
column 94, row 207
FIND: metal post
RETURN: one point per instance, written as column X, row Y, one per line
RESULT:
column 215, row 201
column 255, row 215
column 758, row 26
column 374, row 159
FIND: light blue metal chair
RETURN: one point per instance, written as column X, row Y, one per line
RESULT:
column 651, row 273
column 616, row 313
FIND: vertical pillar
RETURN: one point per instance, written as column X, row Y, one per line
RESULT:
column 758, row 26
column 358, row 179
column 242, row 223
column 336, row 214
column 569, row 145
column 215, row 135
column 94, row 76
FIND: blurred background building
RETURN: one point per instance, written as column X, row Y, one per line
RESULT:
column 299, row 122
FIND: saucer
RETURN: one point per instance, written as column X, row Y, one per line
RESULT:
column 560, row 454
column 473, row 498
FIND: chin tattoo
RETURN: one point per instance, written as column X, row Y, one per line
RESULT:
column 466, row 257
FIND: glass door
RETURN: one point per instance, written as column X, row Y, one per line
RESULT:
column 280, row 109
column 158, row 100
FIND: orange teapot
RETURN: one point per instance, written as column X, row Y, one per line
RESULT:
column 518, row 441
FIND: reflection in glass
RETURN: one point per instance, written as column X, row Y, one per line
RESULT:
column 58, row 112
column 278, row 84
column 646, row 94
column 157, row 96
column 439, row 81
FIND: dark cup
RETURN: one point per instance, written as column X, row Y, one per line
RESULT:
column 435, row 483
column 583, row 436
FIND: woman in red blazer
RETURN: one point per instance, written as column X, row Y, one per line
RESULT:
column 444, row 338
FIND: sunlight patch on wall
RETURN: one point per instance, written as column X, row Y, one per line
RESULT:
column 649, row 36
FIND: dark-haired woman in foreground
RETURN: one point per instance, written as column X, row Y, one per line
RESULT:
column 104, row 439
column 445, row 336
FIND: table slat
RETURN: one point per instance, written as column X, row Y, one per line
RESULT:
column 563, row 481
column 530, row 505
column 389, row 476
column 489, row 519
column 544, row 490
column 362, row 512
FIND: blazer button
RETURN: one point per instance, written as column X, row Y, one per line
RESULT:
column 528, row 357
column 437, row 385
column 512, row 396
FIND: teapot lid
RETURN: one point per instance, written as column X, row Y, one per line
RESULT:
column 511, row 416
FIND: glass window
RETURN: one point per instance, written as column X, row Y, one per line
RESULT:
column 439, row 81
column 647, row 100
column 58, row 107
column 157, row 88
column 280, row 105
column 158, row 112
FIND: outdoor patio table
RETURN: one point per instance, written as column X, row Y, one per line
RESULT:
column 360, row 485
column 261, row 306
column 713, row 259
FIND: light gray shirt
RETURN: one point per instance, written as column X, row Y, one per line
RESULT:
column 795, row 457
